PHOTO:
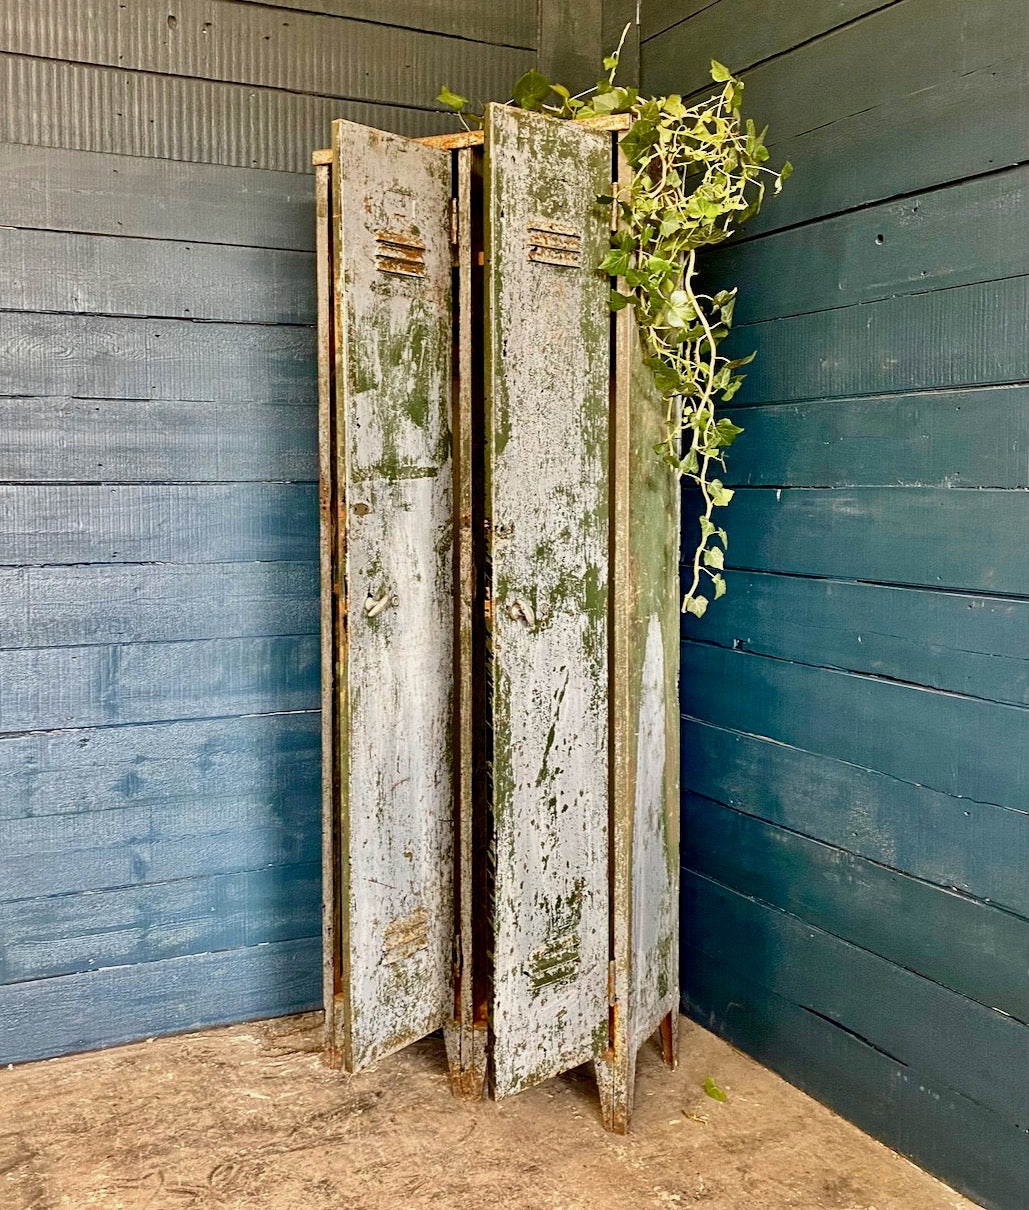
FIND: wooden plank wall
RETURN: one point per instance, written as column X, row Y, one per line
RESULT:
column 159, row 651
column 856, row 710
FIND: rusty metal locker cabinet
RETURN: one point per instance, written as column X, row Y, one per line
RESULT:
column 500, row 615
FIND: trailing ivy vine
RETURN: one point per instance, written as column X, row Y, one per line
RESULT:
column 699, row 171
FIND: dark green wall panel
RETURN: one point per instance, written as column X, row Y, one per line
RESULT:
column 857, row 707
column 977, row 847
column 967, row 437
column 960, row 642
column 937, row 1127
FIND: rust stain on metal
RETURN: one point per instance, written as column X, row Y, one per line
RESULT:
column 403, row 938
column 401, row 255
column 554, row 244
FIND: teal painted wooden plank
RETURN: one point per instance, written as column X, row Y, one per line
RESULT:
column 910, row 97
column 943, row 1131
column 659, row 15
column 64, row 934
column 112, row 275
column 99, row 357
column 513, row 24
column 970, row 947
column 52, row 103
column 977, row 437
column 955, row 641
column 967, row 336
column 973, row 846
column 242, row 766
column 72, row 1013
column 44, row 688
column 570, row 45
column 145, row 839
column 61, row 440
column 975, row 231
column 956, row 745
column 954, row 1042
column 739, row 33
column 49, row 187
column 257, row 46
column 972, row 124
column 929, row 537
column 215, row 523
column 112, row 603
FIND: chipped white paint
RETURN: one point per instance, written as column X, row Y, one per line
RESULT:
column 547, row 499
column 393, row 370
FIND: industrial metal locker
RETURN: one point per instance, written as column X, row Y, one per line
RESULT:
column 500, row 614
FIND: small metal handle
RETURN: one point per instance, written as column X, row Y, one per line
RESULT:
column 520, row 608
column 373, row 606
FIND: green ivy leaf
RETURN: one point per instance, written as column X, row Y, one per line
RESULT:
column 720, row 495
column 695, row 604
column 719, row 72
column 451, row 100
column 713, row 1091
column 714, row 557
column 617, row 301
column 531, row 90
column 719, row 584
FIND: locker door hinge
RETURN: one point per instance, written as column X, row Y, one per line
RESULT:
column 612, row 999
column 455, row 227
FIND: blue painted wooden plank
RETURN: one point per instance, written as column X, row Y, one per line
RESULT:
column 143, row 441
column 123, row 1004
column 934, row 1125
column 46, row 688
column 967, row 336
column 61, row 190
column 975, row 437
column 957, row 745
column 945, row 640
column 97, row 357
column 241, row 766
column 44, row 938
column 54, row 103
column 973, row 846
column 127, row 603
column 255, row 45
column 954, row 1042
column 164, row 524
column 114, row 275
column 926, row 537
column 985, row 956
column 158, row 841
column 975, row 231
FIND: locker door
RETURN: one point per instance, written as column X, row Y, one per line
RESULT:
column 392, row 929
column 547, row 447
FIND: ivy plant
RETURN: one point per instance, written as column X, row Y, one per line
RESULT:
column 699, row 171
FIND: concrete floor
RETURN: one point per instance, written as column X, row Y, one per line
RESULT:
column 247, row 1118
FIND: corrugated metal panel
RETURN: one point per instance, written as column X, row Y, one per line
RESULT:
column 510, row 24
column 247, row 44
column 55, row 104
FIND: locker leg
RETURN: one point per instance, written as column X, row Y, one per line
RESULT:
column 669, row 1031
column 466, row 1059
column 616, row 1082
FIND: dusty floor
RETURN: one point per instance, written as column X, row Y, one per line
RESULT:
column 248, row 1119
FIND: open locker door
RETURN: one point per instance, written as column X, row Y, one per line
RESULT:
column 547, row 449
column 390, row 635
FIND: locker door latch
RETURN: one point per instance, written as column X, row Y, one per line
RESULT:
column 373, row 606
column 519, row 608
